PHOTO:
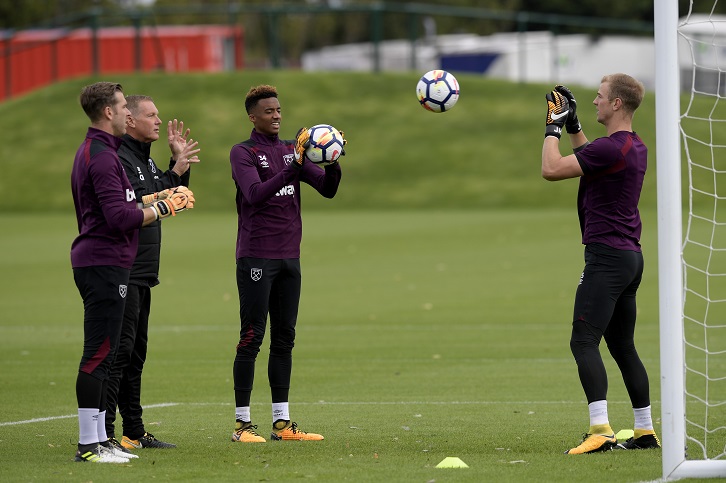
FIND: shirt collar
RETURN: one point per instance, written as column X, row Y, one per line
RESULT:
column 107, row 138
column 262, row 139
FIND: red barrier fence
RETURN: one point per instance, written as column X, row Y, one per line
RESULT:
column 35, row 58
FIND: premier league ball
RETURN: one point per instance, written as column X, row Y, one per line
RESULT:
column 326, row 144
column 437, row 91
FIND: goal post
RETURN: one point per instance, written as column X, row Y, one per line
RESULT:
column 670, row 291
column 675, row 422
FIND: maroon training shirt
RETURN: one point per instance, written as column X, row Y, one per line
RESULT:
column 269, row 224
column 614, row 168
column 106, row 208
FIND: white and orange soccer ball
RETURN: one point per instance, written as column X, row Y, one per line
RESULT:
column 326, row 144
column 437, row 91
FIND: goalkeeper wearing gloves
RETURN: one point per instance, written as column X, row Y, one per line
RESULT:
column 611, row 171
column 166, row 194
column 102, row 255
column 268, row 173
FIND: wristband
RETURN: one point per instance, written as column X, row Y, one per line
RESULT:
column 164, row 209
column 573, row 128
column 553, row 130
column 580, row 148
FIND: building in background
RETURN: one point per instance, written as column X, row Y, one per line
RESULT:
column 521, row 57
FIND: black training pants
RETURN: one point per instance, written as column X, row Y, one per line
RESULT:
column 266, row 286
column 103, row 290
column 605, row 306
column 124, row 385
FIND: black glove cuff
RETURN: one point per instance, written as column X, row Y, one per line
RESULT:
column 573, row 127
column 553, row 130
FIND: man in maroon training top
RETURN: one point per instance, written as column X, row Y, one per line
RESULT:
column 267, row 172
column 611, row 171
column 102, row 254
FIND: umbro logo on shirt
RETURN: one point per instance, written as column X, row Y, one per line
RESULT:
column 265, row 164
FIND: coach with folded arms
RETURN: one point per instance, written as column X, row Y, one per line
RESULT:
column 611, row 171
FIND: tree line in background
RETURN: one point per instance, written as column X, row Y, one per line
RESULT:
column 16, row 14
column 300, row 32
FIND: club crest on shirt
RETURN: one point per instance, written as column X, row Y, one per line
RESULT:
column 288, row 158
column 256, row 274
column 122, row 291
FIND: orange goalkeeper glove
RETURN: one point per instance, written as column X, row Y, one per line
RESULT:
column 558, row 109
column 147, row 200
column 302, row 142
column 180, row 199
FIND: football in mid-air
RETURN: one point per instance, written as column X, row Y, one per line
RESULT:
column 326, row 144
column 437, row 91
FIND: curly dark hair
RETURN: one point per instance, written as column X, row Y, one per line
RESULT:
column 259, row 92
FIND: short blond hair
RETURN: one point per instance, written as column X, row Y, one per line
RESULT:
column 627, row 88
column 133, row 101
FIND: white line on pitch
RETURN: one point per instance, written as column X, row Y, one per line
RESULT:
column 68, row 416
column 329, row 403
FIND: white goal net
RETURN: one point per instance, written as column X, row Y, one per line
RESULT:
column 691, row 66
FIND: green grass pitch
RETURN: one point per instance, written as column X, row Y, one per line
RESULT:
column 421, row 336
column 437, row 291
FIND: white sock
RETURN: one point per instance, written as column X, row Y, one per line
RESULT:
column 242, row 414
column 598, row 412
column 102, row 436
column 88, row 425
column 643, row 419
column 280, row 411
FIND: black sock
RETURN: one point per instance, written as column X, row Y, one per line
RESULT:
column 82, row 448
